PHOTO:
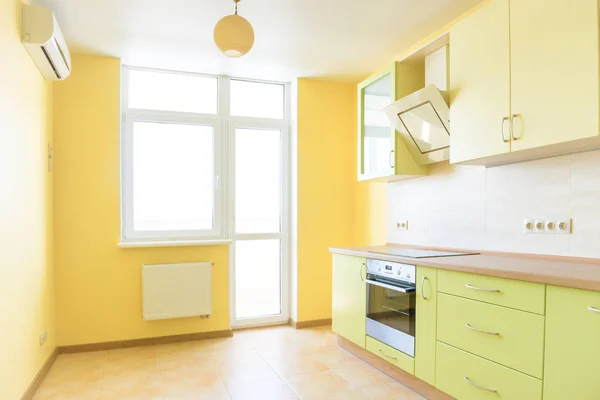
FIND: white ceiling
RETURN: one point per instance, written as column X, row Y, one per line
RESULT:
column 329, row 39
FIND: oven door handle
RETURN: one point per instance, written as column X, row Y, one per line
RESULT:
column 391, row 287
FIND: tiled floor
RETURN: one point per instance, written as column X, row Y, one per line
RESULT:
column 278, row 363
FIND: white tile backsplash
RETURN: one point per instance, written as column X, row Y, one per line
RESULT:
column 479, row 208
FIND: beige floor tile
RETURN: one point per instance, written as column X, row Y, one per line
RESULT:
column 74, row 390
column 142, row 352
column 390, row 391
column 274, row 389
column 177, row 361
column 246, row 373
column 214, row 393
column 351, row 394
column 336, row 358
column 295, row 365
column 176, row 382
column 318, row 383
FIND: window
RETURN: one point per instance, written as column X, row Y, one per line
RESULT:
column 179, row 131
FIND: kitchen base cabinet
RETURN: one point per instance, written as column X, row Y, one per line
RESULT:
column 349, row 299
column 572, row 344
column 468, row 377
column 426, row 324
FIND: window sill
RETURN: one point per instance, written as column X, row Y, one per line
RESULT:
column 173, row 243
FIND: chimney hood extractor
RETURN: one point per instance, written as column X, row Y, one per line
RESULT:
column 422, row 118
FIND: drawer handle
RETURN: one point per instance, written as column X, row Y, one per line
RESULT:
column 481, row 289
column 470, row 382
column 480, row 331
column 592, row 309
column 385, row 355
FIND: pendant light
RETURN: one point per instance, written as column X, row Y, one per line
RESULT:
column 234, row 35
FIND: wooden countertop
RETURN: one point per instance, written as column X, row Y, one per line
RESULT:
column 581, row 273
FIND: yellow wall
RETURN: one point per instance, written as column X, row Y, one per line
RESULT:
column 326, row 153
column 26, row 270
column 98, row 285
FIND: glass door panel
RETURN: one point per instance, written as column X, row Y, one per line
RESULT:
column 258, row 278
column 377, row 134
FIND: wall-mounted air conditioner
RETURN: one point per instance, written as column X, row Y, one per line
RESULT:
column 45, row 43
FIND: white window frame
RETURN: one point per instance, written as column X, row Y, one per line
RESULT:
column 132, row 115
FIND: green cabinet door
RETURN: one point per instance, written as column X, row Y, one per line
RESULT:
column 426, row 324
column 572, row 344
column 349, row 298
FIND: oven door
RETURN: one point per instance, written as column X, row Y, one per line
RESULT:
column 391, row 313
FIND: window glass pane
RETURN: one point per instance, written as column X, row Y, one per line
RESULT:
column 172, row 177
column 259, row 100
column 257, row 278
column 166, row 91
column 257, row 180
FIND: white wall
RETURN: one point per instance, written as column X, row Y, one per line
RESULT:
column 477, row 208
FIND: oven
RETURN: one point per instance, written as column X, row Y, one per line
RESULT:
column 391, row 300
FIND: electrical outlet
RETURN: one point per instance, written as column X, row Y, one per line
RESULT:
column 540, row 226
column 551, row 226
column 43, row 337
column 402, row 225
column 528, row 226
column 563, row 226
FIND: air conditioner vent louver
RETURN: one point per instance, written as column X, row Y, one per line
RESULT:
column 50, row 62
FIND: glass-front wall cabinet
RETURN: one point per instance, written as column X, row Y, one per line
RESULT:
column 377, row 138
column 381, row 153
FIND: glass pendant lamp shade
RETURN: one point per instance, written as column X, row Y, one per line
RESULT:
column 234, row 35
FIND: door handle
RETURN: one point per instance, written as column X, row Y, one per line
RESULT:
column 512, row 126
column 593, row 309
column 505, row 140
column 422, row 284
column 360, row 272
column 390, row 158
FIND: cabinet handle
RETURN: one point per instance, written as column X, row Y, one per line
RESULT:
column 592, row 309
column 482, row 289
column 470, row 382
column 360, row 272
column 512, row 127
column 480, row 331
column 505, row 140
column 390, row 158
column 385, row 355
column 422, row 284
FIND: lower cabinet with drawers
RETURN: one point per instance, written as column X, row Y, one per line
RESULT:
column 481, row 337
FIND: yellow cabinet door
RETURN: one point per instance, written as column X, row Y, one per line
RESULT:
column 480, row 84
column 349, row 298
column 554, row 71
column 425, row 332
column 572, row 344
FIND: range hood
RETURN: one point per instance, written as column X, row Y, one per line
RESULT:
column 423, row 118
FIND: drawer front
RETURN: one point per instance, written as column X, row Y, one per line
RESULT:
column 468, row 377
column 391, row 355
column 509, row 337
column 572, row 345
column 526, row 296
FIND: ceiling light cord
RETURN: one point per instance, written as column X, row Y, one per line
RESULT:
column 236, row 6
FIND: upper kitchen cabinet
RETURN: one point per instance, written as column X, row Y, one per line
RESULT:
column 554, row 71
column 524, row 81
column 381, row 154
column 480, row 84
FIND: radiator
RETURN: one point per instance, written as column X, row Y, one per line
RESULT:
column 176, row 290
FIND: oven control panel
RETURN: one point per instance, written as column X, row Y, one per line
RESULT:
column 392, row 270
